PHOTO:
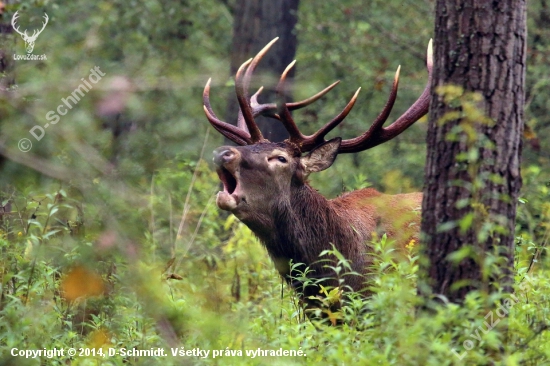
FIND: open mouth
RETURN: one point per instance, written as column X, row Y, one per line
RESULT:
column 228, row 180
column 228, row 199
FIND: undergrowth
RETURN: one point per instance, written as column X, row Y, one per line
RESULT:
column 192, row 279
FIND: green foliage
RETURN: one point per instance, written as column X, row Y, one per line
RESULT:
column 217, row 290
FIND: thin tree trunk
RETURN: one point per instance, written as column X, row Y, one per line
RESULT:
column 256, row 23
column 469, row 200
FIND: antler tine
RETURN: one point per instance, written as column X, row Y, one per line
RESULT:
column 270, row 109
column 251, row 110
column 247, row 131
column 319, row 136
column 254, row 63
column 316, row 97
column 233, row 133
column 246, row 110
column 382, row 117
column 284, row 113
column 377, row 134
column 306, row 143
column 254, row 98
column 257, row 109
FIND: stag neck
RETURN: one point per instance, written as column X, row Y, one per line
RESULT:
column 304, row 226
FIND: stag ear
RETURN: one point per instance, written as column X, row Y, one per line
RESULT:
column 322, row 156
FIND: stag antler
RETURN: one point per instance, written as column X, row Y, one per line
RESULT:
column 377, row 134
column 250, row 109
column 374, row 136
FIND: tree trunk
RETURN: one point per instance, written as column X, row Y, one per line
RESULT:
column 473, row 159
column 257, row 22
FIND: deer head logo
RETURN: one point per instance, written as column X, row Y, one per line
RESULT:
column 29, row 40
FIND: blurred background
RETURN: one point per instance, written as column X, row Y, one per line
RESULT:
column 109, row 230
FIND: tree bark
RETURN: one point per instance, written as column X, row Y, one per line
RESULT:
column 256, row 23
column 472, row 176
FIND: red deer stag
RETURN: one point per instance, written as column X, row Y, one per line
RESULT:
column 265, row 183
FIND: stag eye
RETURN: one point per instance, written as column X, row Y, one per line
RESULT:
column 281, row 158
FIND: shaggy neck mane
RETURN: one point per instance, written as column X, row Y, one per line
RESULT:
column 305, row 225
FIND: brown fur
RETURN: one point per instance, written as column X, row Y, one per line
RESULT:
column 398, row 215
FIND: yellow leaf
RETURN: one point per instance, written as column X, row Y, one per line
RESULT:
column 81, row 282
column 98, row 338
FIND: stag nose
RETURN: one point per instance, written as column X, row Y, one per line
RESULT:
column 223, row 155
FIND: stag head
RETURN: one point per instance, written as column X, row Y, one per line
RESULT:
column 29, row 40
column 257, row 177
column 260, row 175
